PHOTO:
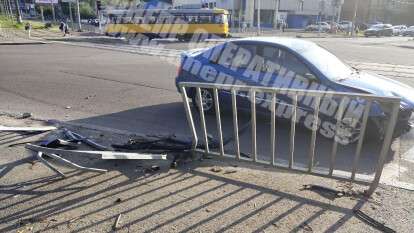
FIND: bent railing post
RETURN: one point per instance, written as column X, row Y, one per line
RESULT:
column 218, row 119
column 203, row 120
column 189, row 116
column 385, row 147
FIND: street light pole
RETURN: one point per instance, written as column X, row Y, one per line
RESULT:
column 41, row 13
column 70, row 14
column 53, row 11
column 339, row 10
column 276, row 18
column 79, row 18
column 354, row 18
column 258, row 17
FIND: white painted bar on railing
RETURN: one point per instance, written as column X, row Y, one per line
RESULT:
column 273, row 128
column 361, row 139
column 339, row 116
column 253, row 123
column 189, row 116
column 218, row 120
column 314, row 131
column 235, row 123
column 203, row 119
column 293, row 130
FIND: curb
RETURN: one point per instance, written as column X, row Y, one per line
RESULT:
column 23, row 43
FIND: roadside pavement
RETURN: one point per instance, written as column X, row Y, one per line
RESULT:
column 212, row 195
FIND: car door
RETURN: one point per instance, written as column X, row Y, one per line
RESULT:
column 283, row 69
column 231, row 63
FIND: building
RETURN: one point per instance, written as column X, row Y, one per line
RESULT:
column 297, row 13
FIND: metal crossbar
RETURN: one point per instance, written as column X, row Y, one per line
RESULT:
column 294, row 93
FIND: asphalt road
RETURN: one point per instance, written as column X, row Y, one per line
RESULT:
column 135, row 92
column 77, row 84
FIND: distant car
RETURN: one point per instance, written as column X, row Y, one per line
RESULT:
column 345, row 25
column 301, row 57
column 409, row 31
column 398, row 30
column 379, row 30
column 324, row 27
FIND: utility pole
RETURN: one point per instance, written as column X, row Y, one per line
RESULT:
column 41, row 13
column 340, row 3
column 276, row 17
column 79, row 18
column 354, row 18
column 258, row 17
column 70, row 14
column 18, row 15
column 53, row 11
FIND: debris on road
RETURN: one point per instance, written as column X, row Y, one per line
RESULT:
column 26, row 129
column 216, row 169
column 73, row 219
column 26, row 115
column 103, row 154
column 372, row 222
column 75, row 137
column 117, row 221
column 39, row 157
column 58, row 143
column 324, row 191
column 23, row 222
column 230, row 171
column 153, row 168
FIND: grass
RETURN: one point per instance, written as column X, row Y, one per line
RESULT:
column 6, row 22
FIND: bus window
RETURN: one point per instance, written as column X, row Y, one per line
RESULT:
column 193, row 19
column 205, row 19
column 218, row 19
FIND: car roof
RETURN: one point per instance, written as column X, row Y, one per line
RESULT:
column 292, row 43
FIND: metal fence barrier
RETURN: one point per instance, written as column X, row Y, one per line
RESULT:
column 311, row 169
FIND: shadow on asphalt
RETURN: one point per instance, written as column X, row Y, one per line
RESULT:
column 170, row 119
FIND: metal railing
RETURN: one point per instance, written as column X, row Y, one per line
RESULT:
column 310, row 168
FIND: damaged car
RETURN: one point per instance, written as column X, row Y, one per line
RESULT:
column 296, row 64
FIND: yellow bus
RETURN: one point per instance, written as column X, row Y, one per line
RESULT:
column 182, row 24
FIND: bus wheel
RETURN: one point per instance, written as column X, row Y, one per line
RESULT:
column 180, row 37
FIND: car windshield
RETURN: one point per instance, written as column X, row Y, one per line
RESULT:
column 327, row 63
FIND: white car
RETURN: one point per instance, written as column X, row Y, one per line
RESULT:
column 345, row 25
column 398, row 30
column 409, row 31
column 324, row 27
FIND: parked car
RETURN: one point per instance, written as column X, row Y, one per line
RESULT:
column 345, row 25
column 324, row 26
column 398, row 30
column 409, row 31
column 379, row 30
column 301, row 57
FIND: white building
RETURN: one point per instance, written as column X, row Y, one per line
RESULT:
column 297, row 13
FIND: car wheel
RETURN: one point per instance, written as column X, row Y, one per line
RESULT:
column 207, row 99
